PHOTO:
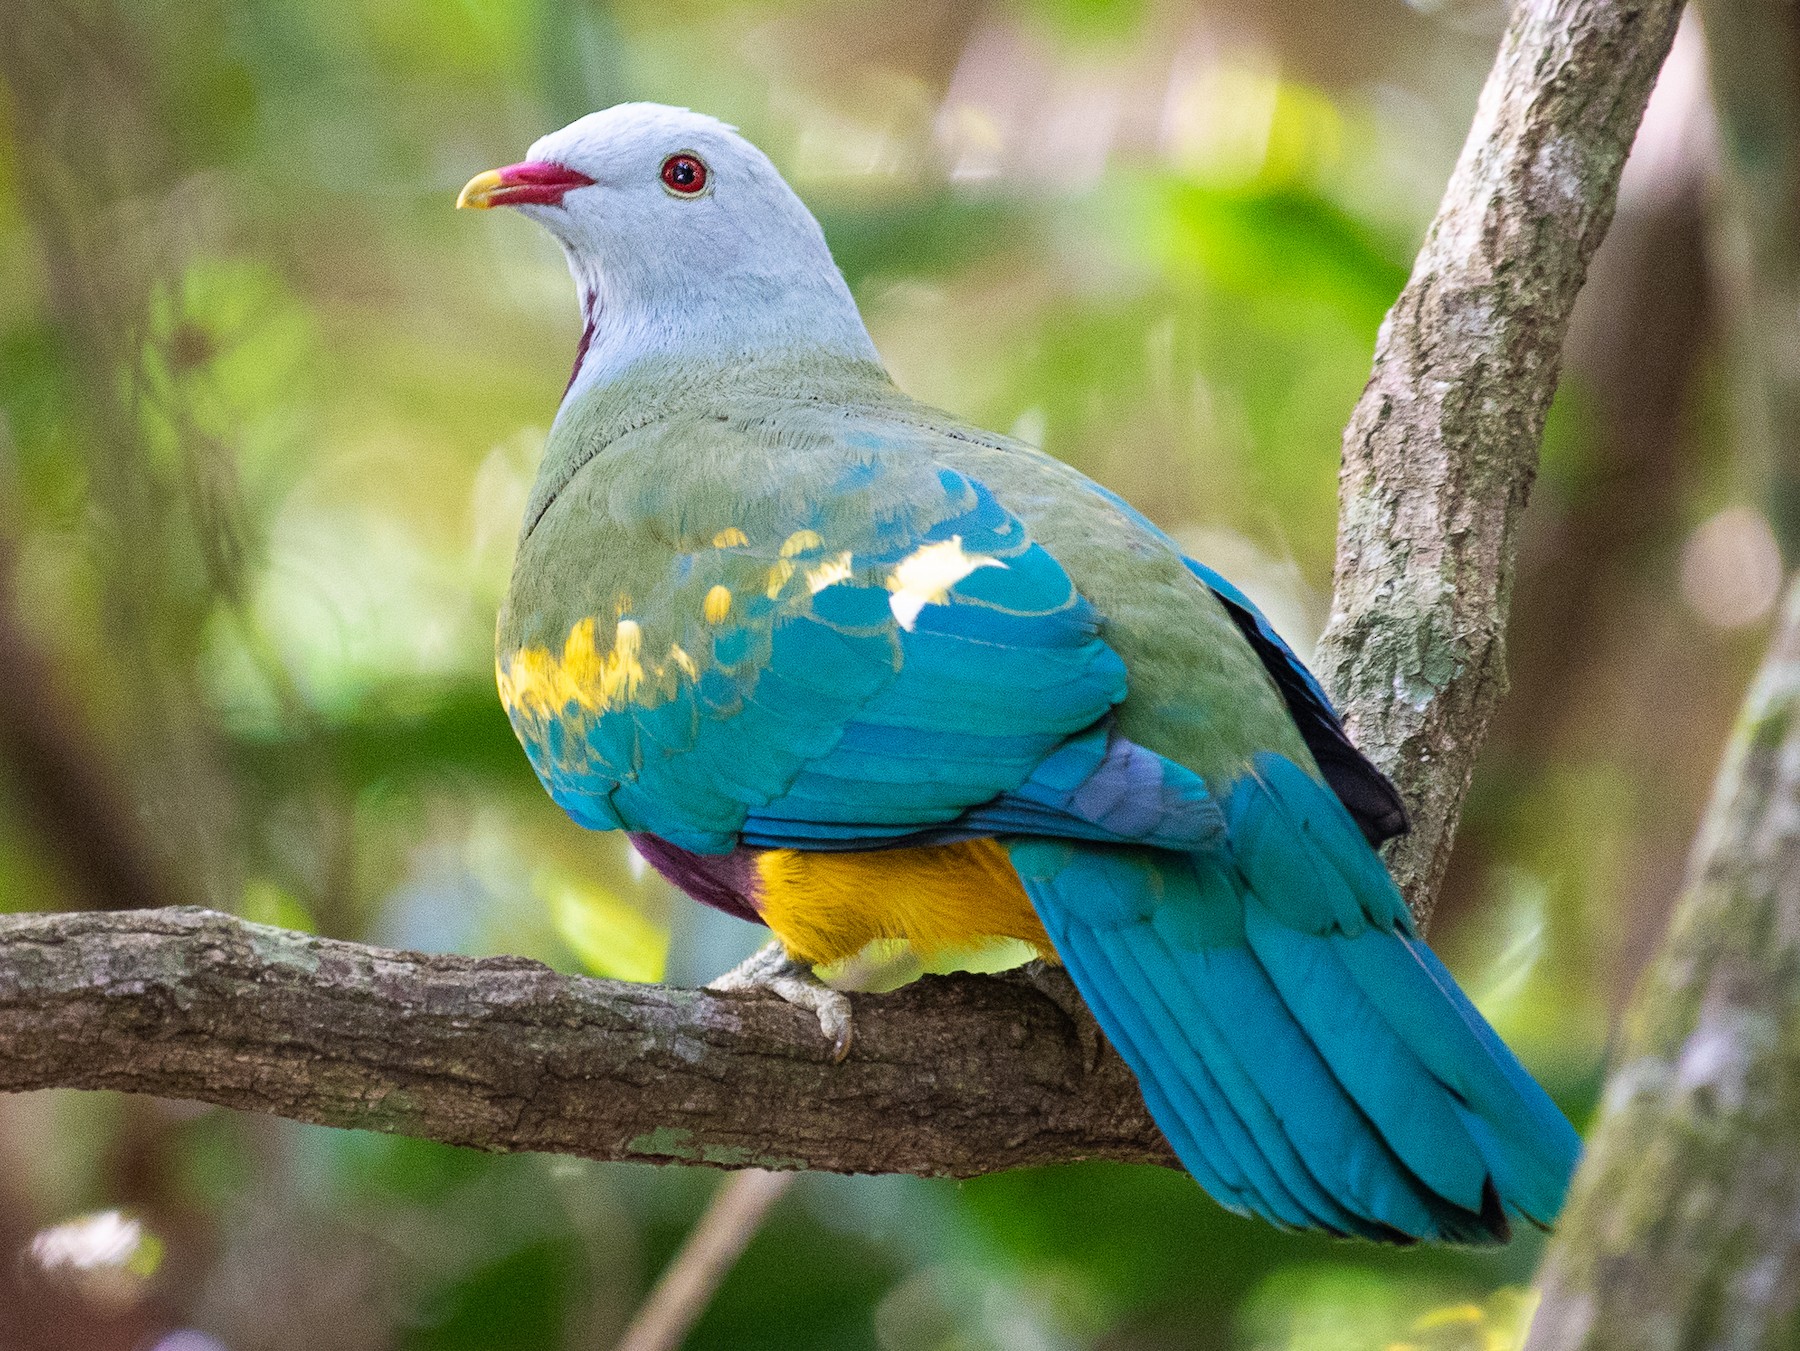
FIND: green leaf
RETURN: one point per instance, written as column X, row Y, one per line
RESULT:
column 610, row 936
column 516, row 1302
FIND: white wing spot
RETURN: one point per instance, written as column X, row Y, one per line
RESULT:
column 925, row 576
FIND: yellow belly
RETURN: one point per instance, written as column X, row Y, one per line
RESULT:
column 825, row 907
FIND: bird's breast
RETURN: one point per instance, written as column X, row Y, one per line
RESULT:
column 938, row 898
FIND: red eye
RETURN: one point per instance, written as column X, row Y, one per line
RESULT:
column 684, row 175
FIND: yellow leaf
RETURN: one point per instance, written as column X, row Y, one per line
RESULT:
column 264, row 902
column 1449, row 1315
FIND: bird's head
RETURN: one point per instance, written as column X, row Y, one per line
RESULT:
column 684, row 240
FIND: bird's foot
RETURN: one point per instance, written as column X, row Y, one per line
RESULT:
column 771, row 968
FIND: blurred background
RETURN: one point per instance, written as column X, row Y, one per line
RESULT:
column 269, row 410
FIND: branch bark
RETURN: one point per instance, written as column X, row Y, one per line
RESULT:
column 949, row 1076
column 1442, row 448
column 1681, row 1231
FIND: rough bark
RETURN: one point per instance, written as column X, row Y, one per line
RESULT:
column 1681, row 1232
column 1594, row 556
column 951, row 1076
column 1442, row 448
column 954, row 1076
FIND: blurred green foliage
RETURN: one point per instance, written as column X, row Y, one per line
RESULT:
column 268, row 414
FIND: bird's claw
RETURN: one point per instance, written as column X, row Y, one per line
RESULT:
column 771, row 968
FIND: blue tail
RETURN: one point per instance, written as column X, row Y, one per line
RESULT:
column 1306, row 1055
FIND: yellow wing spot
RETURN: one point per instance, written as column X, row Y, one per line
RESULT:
column 799, row 542
column 778, row 578
column 678, row 655
column 620, row 670
column 716, row 605
column 829, row 573
column 730, row 537
column 925, row 576
column 539, row 682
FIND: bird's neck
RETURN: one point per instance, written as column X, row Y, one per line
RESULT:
column 597, row 414
column 657, row 388
column 733, row 322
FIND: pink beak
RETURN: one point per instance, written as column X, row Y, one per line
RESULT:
column 535, row 182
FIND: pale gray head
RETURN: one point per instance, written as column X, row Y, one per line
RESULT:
column 684, row 241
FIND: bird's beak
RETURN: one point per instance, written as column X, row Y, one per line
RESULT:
column 535, row 182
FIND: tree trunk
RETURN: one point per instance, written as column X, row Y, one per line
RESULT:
column 1442, row 448
column 1684, row 1227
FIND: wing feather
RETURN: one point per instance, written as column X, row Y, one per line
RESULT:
column 877, row 674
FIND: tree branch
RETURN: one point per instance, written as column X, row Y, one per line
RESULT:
column 688, row 1285
column 1442, row 448
column 1681, row 1228
column 950, row 1076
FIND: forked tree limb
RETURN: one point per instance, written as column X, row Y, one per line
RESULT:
column 1441, row 451
column 962, row 1075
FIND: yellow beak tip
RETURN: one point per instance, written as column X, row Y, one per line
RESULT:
column 478, row 192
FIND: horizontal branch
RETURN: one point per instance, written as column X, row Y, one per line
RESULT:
column 952, row 1076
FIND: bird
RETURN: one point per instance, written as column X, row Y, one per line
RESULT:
column 849, row 667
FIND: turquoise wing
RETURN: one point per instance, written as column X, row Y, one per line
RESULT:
column 873, row 666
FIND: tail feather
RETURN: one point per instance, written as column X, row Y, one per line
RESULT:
column 1525, row 1144
column 1193, row 951
column 1193, row 1045
column 1322, row 1151
column 1205, row 1126
column 1308, row 1062
column 1298, row 849
column 1340, row 1146
column 1374, row 1065
column 1198, row 1132
column 1528, row 1143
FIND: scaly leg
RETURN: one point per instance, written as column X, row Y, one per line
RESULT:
column 771, row 968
